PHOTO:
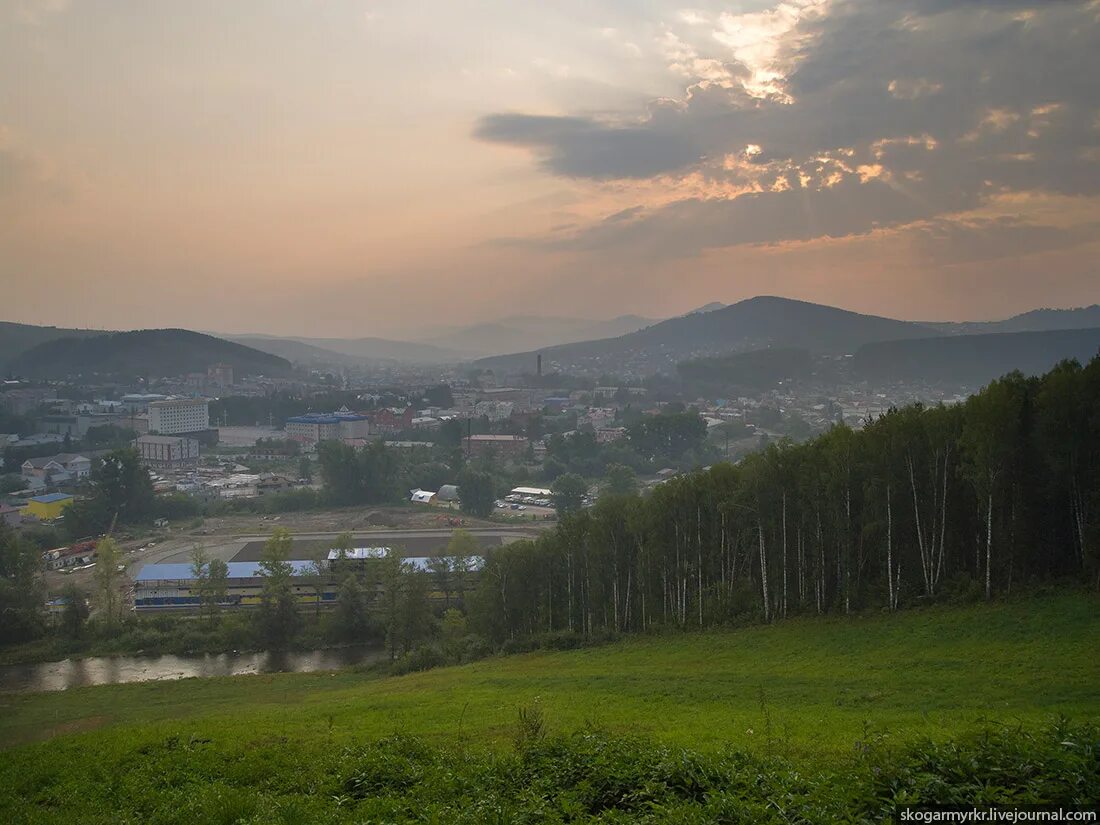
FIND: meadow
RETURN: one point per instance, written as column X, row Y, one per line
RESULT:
column 814, row 693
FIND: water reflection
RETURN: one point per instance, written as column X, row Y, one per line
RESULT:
column 110, row 670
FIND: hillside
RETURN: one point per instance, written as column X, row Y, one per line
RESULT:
column 756, row 323
column 150, row 352
column 756, row 369
column 15, row 339
column 807, row 689
column 975, row 359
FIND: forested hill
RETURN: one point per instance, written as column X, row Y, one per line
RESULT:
column 15, row 339
column 753, row 324
column 972, row 501
column 147, row 352
column 974, row 359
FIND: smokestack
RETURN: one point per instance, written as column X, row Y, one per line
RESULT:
column 539, row 365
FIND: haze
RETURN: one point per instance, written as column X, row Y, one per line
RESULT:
column 379, row 168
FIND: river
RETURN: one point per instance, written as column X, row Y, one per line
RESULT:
column 113, row 670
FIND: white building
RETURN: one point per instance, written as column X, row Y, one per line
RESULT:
column 179, row 415
column 312, row 428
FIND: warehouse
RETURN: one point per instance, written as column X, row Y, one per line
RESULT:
column 172, row 586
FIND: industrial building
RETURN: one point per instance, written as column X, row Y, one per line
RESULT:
column 172, row 586
column 47, row 507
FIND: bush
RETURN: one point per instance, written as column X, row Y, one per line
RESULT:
column 421, row 658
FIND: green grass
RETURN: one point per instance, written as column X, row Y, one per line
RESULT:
column 810, row 690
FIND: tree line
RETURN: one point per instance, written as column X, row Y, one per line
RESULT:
column 922, row 503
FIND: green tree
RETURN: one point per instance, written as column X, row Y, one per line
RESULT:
column 620, row 481
column 75, row 613
column 476, row 492
column 569, row 491
column 352, row 614
column 392, row 574
column 462, row 549
column 20, row 588
column 277, row 616
column 305, row 469
column 107, row 577
column 415, row 617
column 453, row 629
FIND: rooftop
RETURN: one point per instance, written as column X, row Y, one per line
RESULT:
column 50, row 498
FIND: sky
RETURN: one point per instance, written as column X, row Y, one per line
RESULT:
column 385, row 167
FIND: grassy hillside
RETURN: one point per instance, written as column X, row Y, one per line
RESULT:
column 833, row 696
column 147, row 352
column 819, row 681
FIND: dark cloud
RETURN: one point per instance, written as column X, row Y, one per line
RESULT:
column 896, row 112
column 579, row 147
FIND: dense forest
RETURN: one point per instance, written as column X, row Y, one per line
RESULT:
column 964, row 501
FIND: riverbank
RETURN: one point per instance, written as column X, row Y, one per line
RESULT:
column 71, row 674
column 178, row 635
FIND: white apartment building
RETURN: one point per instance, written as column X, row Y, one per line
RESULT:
column 179, row 415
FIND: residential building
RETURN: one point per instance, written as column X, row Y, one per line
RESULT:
column 48, row 507
column 138, row 402
column 312, row 428
column 170, row 452
column 605, row 435
column 177, row 416
column 220, row 375
column 501, row 446
column 56, row 469
column 392, row 419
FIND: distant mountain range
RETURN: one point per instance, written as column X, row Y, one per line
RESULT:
column 1038, row 320
column 760, row 323
column 152, row 353
column 753, row 324
column 345, row 351
column 975, row 360
column 524, row 332
column 629, row 344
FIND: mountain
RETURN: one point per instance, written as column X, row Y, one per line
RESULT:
column 974, row 359
column 297, row 352
column 756, row 323
column 1038, row 320
column 148, row 352
column 15, row 339
column 530, row 332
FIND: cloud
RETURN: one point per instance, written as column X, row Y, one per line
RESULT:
column 946, row 242
column 859, row 114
